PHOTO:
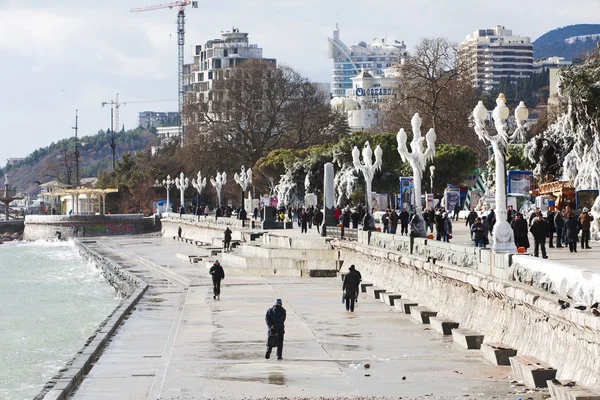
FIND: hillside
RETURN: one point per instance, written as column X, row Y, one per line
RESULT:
column 57, row 161
column 563, row 42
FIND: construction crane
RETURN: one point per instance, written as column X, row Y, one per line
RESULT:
column 114, row 109
column 180, row 42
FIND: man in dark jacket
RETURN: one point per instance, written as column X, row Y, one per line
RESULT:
column 572, row 226
column 519, row 227
column 350, row 288
column 471, row 218
column 585, row 221
column 355, row 217
column 227, row 240
column 540, row 231
column 456, row 211
column 404, row 216
column 217, row 273
column 243, row 214
column 275, row 319
column 319, row 219
column 393, row 221
column 551, row 228
column 559, row 225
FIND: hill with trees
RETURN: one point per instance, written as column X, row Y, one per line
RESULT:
column 554, row 43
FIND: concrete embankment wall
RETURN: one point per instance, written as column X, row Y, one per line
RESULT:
column 46, row 227
column 524, row 317
column 127, row 285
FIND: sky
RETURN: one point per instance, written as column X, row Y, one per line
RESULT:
column 63, row 55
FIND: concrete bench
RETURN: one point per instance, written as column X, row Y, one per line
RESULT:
column 442, row 325
column 568, row 390
column 390, row 298
column 498, row 353
column 422, row 314
column 404, row 305
column 364, row 286
column 467, row 338
column 375, row 292
column 532, row 371
column 189, row 258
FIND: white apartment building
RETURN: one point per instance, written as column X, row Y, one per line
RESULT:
column 348, row 61
column 496, row 53
column 361, row 102
column 216, row 56
column 549, row 63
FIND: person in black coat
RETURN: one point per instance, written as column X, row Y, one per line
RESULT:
column 551, row 228
column 217, row 273
column 275, row 320
column 403, row 217
column 519, row 227
column 350, row 288
column 319, row 219
column 304, row 219
column 243, row 214
column 540, row 231
column 355, row 217
column 572, row 231
column 227, row 240
column 559, row 225
column 471, row 218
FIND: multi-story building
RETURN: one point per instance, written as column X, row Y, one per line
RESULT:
column 216, row 56
column 348, row 61
column 496, row 53
column 550, row 63
column 361, row 102
column 149, row 119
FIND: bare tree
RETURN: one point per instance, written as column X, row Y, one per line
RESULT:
column 257, row 108
column 433, row 83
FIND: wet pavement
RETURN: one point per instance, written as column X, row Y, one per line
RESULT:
column 179, row 343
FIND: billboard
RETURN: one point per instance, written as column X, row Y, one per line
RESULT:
column 407, row 194
column 520, row 182
column 451, row 198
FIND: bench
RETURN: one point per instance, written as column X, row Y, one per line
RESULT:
column 467, row 338
column 532, row 371
column 390, row 298
column 364, row 286
column 569, row 390
column 498, row 353
column 405, row 305
column 422, row 314
column 375, row 291
column 442, row 325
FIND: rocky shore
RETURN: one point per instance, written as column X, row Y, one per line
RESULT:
column 10, row 237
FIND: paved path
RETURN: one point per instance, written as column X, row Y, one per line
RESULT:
column 179, row 343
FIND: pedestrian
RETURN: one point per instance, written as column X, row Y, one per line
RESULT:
column 218, row 274
column 179, row 232
column 304, row 219
column 404, row 216
column 275, row 319
column 337, row 213
column 345, row 219
column 206, row 211
column 477, row 232
column 447, row 227
column 456, row 211
column 519, row 227
column 310, row 213
column 355, row 218
column 319, row 219
column 533, row 215
column 471, row 217
column 359, row 281
column 350, row 288
column 243, row 215
column 572, row 226
column 551, row 228
column 585, row 221
column 256, row 213
column 227, row 240
column 491, row 217
column 486, row 230
column 431, row 219
column 540, row 231
column 511, row 214
column 385, row 219
column 559, row 225
column 393, row 222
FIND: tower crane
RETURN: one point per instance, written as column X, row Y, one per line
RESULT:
column 180, row 42
column 114, row 109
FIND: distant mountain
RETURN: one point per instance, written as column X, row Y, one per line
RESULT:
column 57, row 161
column 570, row 42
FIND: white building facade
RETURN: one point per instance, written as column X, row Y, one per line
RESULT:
column 348, row 61
column 362, row 101
column 496, row 53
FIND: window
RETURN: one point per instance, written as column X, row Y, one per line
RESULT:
column 210, row 75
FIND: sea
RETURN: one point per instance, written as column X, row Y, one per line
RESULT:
column 51, row 301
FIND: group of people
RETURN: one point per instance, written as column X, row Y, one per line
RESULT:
column 564, row 223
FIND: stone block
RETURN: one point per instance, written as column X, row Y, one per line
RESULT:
column 375, row 292
column 568, row 390
column 498, row 353
column 442, row 325
column 405, row 305
column 390, row 298
column 467, row 338
column 532, row 371
column 422, row 314
column 364, row 286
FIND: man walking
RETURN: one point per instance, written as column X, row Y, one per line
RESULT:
column 585, row 219
column 350, row 288
column 559, row 225
column 275, row 319
column 404, row 222
column 456, row 211
column 319, row 219
column 227, row 240
column 393, row 221
column 540, row 230
column 217, row 273
column 471, row 218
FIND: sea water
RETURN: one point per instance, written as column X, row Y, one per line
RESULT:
column 51, row 301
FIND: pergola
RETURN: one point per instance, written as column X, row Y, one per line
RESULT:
column 75, row 195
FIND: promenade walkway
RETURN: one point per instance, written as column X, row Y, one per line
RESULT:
column 179, row 343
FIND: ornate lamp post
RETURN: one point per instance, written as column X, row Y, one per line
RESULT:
column 243, row 179
column 182, row 183
column 167, row 184
column 218, row 183
column 503, row 238
column 199, row 184
column 367, row 167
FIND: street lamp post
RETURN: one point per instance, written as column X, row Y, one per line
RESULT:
column 167, row 184
column 367, row 167
column 417, row 159
column 503, row 237
column 199, row 184
column 182, row 183
column 218, row 182
column 243, row 179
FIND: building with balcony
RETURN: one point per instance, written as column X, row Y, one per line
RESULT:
column 496, row 53
column 149, row 119
column 348, row 61
column 215, row 57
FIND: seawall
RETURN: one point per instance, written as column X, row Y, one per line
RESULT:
column 127, row 285
column 482, row 296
